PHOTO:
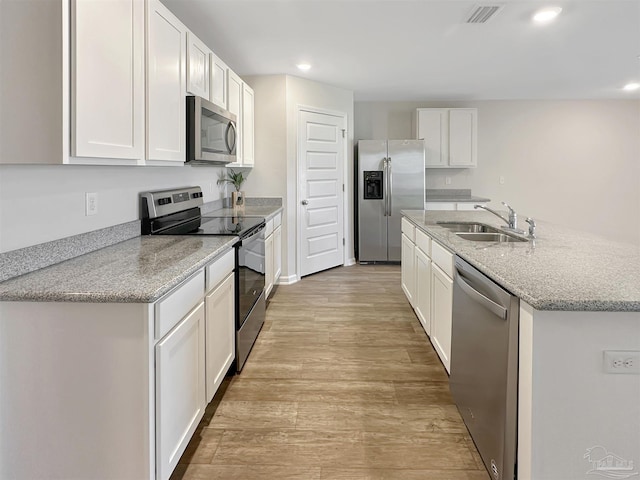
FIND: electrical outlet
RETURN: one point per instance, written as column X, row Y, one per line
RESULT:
column 447, row 180
column 501, row 180
column 91, row 203
column 621, row 361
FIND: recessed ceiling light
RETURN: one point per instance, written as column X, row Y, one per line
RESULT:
column 303, row 66
column 546, row 15
column 630, row 87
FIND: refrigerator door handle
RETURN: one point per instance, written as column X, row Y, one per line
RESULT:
column 390, row 189
column 385, row 191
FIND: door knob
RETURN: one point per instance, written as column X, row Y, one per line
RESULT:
column 305, row 202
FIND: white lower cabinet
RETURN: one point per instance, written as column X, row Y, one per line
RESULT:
column 221, row 334
column 268, row 268
column 427, row 273
column 423, row 290
column 273, row 253
column 180, row 389
column 126, row 383
column 408, row 259
column 441, row 314
column 277, row 253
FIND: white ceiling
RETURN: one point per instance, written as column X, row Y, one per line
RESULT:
column 423, row 50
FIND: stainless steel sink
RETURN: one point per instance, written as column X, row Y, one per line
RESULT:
column 469, row 227
column 489, row 237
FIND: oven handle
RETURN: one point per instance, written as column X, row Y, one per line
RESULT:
column 255, row 232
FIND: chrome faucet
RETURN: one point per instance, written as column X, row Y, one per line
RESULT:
column 532, row 227
column 512, row 221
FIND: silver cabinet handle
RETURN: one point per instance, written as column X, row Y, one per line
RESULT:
column 305, row 202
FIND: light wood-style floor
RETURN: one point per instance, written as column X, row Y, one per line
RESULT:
column 342, row 383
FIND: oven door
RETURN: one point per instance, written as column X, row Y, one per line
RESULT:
column 211, row 133
column 251, row 272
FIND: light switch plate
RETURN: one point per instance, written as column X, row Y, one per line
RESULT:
column 622, row 361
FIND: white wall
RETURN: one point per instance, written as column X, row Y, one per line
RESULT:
column 570, row 162
column 276, row 150
column 44, row 203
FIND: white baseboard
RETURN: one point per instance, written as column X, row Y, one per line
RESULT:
column 291, row 279
column 350, row 261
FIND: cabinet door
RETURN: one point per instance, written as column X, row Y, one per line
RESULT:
column 198, row 58
column 432, row 127
column 180, row 389
column 107, row 79
column 166, row 104
column 234, row 100
column 220, row 333
column 269, row 272
column 408, row 268
column 462, row 137
column 277, row 254
column 218, row 89
column 247, row 126
column 441, row 313
column 423, row 290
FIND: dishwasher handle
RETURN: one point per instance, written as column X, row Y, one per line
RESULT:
column 497, row 309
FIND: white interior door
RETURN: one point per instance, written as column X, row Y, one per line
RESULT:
column 321, row 175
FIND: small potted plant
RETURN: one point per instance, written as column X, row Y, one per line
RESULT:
column 236, row 179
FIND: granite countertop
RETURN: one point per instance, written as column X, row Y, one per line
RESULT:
column 266, row 211
column 139, row 270
column 562, row 269
column 453, row 195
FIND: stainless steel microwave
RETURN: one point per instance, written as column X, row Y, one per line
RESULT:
column 211, row 133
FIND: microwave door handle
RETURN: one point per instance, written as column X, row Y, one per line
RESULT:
column 230, row 148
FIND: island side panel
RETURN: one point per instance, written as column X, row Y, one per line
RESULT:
column 525, row 397
column 75, row 391
column 579, row 413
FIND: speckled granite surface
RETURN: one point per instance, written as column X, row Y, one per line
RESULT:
column 562, row 269
column 266, row 211
column 25, row 260
column 139, row 270
column 453, row 195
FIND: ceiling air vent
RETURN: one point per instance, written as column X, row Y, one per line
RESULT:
column 483, row 13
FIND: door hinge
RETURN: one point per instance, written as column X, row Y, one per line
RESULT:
column 343, row 242
column 343, row 187
column 344, row 133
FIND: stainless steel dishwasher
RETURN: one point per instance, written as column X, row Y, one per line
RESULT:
column 484, row 366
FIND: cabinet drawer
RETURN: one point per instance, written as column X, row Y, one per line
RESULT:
column 423, row 241
column 218, row 270
column 409, row 229
column 277, row 221
column 269, row 228
column 175, row 305
column 442, row 257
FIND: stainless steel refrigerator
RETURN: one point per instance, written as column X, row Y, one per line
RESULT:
column 390, row 179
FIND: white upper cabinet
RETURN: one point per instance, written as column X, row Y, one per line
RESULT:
column 450, row 136
column 107, row 79
column 218, row 81
column 247, row 126
column 241, row 103
column 234, row 105
column 198, row 67
column 166, row 104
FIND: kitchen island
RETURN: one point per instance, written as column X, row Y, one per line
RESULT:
column 579, row 297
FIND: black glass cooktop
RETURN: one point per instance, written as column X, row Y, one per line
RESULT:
column 228, row 225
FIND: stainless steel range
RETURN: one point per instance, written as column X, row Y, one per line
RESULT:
column 177, row 212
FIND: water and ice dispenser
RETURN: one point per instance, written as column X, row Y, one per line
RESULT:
column 373, row 185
